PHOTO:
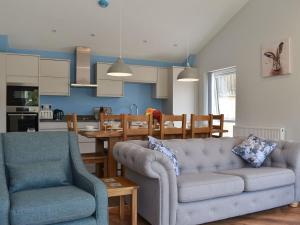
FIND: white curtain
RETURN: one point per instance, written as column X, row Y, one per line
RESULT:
column 223, row 86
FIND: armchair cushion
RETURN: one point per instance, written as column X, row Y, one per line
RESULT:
column 86, row 221
column 51, row 205
column 36, row 175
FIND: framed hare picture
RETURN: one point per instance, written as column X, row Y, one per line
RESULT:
column 276, row 58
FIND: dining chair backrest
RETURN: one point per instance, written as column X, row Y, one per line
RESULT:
column 103, row 118
column 171, row 129
column 217, row 125
column 72, row 124
column 137, row 126
column 201, row 125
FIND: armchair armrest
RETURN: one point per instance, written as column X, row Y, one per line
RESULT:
column 288, row 155
column 155, row 165
column 88, row 182
column 4, row 195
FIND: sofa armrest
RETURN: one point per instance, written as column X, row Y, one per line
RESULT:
column 4, row 195
column 152, row 164
column 88, row 182
column 291, row 153
column 288, row 155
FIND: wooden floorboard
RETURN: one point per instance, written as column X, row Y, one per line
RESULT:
column 280, row 216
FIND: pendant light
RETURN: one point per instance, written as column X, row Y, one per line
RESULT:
column 188, row 74
column 119, row 68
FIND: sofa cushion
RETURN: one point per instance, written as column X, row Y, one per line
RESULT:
column 50, row 205
column 36, row 175
column 254, row 150
column 206, row 185
column 263, row 178
column 157, row 145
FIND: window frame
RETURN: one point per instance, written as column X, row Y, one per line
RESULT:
column 224, row 71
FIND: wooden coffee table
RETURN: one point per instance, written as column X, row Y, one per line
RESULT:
column 120, row 187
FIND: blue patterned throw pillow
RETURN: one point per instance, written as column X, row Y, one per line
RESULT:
column 254, row 150
column 157, row 145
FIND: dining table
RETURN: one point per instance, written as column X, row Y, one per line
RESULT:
column 102, row 136
column 112, row 136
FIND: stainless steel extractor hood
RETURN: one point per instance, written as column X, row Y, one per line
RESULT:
column 83, row 68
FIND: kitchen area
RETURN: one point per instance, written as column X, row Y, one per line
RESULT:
column 37, row 92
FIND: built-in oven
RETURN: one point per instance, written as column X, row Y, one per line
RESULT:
column 22, row 108
column 19, row 95
column 22, row 122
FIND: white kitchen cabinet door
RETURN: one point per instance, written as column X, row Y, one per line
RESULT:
column 101, row 70
column 2, row 94
column 142, row 74
column 110, row 88
column 54, row 68
column 54, row 86
column 54, row 77
column 160, row 89
column 22, row 69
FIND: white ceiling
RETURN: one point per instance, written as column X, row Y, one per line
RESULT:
column 163, row 23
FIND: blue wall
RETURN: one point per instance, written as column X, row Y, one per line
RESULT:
column 4, row 43
column 82, row 100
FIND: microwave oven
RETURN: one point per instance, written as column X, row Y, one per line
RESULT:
column 22, row 96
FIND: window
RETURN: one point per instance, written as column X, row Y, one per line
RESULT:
column 222, row 96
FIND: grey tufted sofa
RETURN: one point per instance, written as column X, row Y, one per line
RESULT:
column 214, row 183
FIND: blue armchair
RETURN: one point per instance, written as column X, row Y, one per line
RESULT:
column 44, row 181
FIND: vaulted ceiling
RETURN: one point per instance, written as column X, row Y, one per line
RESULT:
column 152, row 29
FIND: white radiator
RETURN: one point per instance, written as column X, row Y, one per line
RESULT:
column 266, row 133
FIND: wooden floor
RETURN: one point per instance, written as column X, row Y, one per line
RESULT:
column 279, row 216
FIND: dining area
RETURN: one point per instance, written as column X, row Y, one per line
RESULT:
column 115, row 128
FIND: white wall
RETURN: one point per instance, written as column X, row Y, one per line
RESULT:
column 261, row 102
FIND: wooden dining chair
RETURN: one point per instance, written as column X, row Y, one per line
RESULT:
column 72, row 122
column 137, row 126
column 217, row 125
column 104, row 118
column 172, row 130
column 88, row 158
column 201, row 125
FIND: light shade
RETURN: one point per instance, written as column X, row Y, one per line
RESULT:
column 188, row 75
column 119, row 69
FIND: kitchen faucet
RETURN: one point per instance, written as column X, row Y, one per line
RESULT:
column 134, row 106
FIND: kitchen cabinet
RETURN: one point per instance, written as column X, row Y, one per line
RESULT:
column 2, row 94
column 22, row 69
column 160, row 89
column 110, row 88
column 54, row 77
column 141, row 74
column 101, row 72
column 182, row 96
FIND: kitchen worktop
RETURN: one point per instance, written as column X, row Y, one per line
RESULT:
column 80, row 118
